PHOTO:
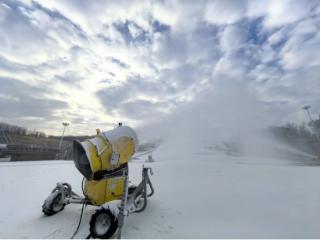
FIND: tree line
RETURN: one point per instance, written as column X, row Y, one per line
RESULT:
column 305, row 137
column 18, row 130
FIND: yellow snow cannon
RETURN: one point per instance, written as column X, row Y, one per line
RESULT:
column 103, row 161
column 99, row 159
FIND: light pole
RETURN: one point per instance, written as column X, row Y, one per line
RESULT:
column 64, row 128
column 307, row 109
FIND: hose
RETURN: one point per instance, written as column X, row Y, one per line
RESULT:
column 80, row 219
column 74, row 234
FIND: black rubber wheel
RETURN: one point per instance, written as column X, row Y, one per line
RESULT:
column 103, row 224
column 54, row 206
column 140, row 201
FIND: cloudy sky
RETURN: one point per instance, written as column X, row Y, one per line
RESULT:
column 95, row 63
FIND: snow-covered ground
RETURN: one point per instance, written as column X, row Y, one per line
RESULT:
column 197, row 196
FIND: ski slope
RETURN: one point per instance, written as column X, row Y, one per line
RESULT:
column 198, row 195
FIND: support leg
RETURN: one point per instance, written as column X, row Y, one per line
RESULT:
column 123, row 204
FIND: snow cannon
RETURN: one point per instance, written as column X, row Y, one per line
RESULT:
column 104, row 155
column 103, row 161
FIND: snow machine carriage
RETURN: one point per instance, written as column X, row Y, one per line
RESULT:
column 103, row 161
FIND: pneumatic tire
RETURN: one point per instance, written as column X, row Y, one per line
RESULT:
column 103, row 224
column 140, row 201
column 54, row 206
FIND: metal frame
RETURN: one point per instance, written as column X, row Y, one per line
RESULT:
column 128, row 201
column 141, row 188
column 68, row 196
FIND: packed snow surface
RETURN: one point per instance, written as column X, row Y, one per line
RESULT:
column 198, row 195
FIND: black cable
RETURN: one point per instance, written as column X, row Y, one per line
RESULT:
column 83, row 188
column 74, row 234
column 84, row 203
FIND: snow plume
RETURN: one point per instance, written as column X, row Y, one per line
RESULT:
column 227, row 117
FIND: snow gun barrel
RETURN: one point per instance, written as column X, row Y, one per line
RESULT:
column 106, row 152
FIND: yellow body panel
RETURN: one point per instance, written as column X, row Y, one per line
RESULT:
column 102, row 191
column 91, row 152
column 99, row 152
column 125, row 147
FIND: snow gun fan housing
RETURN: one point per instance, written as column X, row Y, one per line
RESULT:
column 99, row 160
column 105, row 152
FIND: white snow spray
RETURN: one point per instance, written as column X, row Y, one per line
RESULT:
column 227, row 115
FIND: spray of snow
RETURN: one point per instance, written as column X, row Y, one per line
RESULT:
column 228, row 113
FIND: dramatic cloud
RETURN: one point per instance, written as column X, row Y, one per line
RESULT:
column 20, row 100
column 95, row 63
